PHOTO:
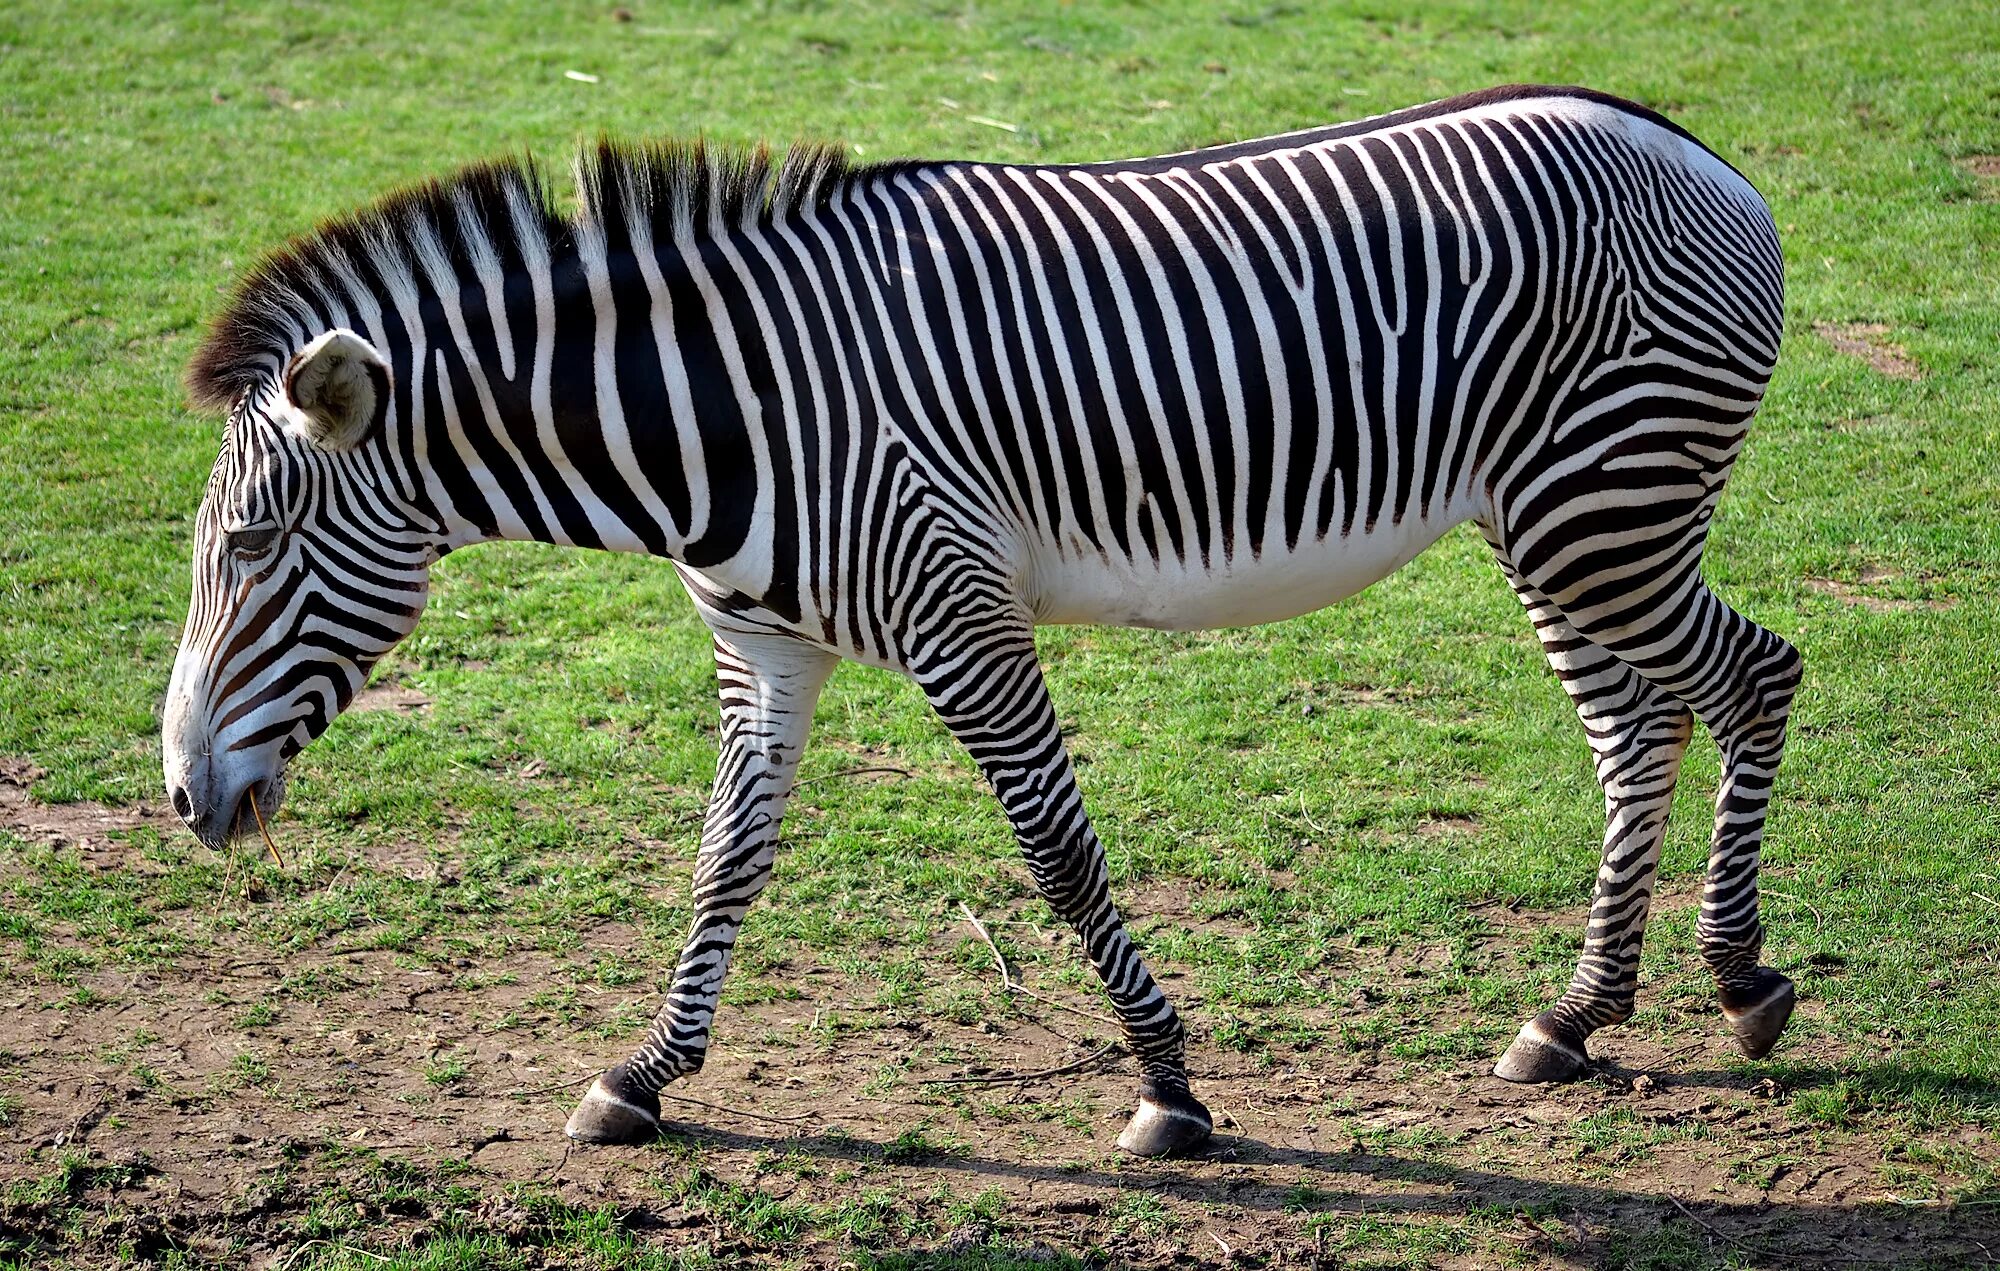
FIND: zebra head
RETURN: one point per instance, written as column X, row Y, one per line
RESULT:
column 309, row 565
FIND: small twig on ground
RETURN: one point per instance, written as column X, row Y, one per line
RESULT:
column 741, row 1112
column 246, row 970
column 1045, row 1026
column 1720, row 1234
column 1223, row 1116
column 1006, row 1078
column 862, row 770
column 1310, row 823
column 529, row 1094
column 1759, row 1251
column 1819, row 923
column 554, row 1171
column 328, row 1244
column 1007, row 980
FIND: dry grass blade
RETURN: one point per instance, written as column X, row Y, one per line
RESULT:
column 739, row 1112
column 539, row 1090
column 337, row 1248
column 1012, row 985
column 862, row 770
column 1819, row 922
column 1002, row 1079
column 1760, row 1253
column 265, row 831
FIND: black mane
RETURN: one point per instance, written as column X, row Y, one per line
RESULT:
column 681, row 190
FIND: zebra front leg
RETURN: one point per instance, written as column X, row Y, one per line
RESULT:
column 768, row 687
column 998, row 706
column 1638, row 736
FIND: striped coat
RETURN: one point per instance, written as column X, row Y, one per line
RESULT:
column 901, row 414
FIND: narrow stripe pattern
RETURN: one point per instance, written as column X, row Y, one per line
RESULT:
column 903, row 413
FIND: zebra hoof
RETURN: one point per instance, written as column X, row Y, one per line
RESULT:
column 615, row 1111
column 1541, row 1054
column 1758, row 1011
column 1168, row 1123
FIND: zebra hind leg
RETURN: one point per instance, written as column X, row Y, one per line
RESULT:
column 768, row 687
column 1749, row 724
column 1739, row 680
column 998, row 706
column 1638, row 735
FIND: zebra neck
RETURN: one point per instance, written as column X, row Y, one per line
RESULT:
column 607, row 403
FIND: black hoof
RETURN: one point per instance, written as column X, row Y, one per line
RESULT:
column 1168, row 1123
column 1758, row 1011
column 615, row 1110
column 1542, row 1053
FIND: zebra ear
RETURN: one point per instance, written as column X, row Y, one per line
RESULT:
column 339, row 389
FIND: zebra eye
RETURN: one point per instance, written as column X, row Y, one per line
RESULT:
column 252, row 542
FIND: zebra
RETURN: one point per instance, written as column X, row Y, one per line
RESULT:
column 903, row 413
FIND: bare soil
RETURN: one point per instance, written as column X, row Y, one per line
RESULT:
column 90, row 827
column 1869, row 341
column 190, row 1145
column 1858, row 593
column 389, row 695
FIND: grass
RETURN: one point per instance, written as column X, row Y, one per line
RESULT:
column 1300, row 817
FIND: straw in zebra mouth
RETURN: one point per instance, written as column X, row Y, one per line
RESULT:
column 265, row 830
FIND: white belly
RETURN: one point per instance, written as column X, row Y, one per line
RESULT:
column 1073, row 587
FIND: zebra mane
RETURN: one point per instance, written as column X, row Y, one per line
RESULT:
column 676, row 190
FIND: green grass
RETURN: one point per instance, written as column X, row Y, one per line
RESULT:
column 1331, row 792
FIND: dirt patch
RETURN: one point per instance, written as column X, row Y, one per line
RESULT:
column 1444, row 826
column 1855, row 593
column 1982, row 165
column 89, row 827
column 235, row 1130
column 1868, row 341
column 228, row 1102
column 1373, row 695
column 389, row 695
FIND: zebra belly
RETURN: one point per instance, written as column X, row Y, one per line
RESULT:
column 1241, row 591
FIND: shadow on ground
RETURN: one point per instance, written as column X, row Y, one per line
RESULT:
column 1760, row 1235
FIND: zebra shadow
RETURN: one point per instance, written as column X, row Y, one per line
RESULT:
column 1606, row 1224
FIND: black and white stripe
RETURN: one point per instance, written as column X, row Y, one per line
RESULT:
column 903, row 413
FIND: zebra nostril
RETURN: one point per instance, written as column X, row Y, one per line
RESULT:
column 183, row 806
